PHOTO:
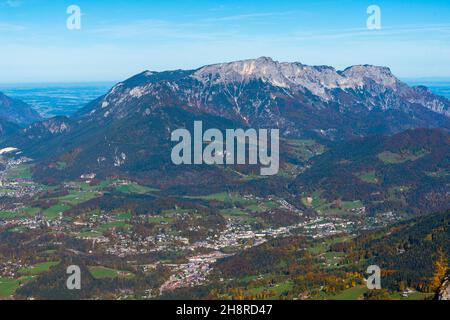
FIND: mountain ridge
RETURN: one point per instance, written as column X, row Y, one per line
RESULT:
column 128, row 129
column 252, row 91
column 16, row 111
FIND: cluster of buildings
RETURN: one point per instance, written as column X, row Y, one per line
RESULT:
column 9, row 269
column 18, row 187
column 237, row 236
column 191, row 274
column 194, row 271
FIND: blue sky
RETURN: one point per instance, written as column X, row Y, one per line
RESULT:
column 120, row 38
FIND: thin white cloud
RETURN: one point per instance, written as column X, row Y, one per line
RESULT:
column 364, row 32
column 196, row 30
column 240, row 17
column 159, row 28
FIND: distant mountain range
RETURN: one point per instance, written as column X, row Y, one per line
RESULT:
column 56, row 99
column 17, row 111
column 15, row 114
column 127, row 131
column 299, row 99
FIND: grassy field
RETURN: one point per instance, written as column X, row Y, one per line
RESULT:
column 276, row 290
column 76, row 197
column 412, row 296
column 7, row 215
column 112, row 225
column 105, row 273
column 228, row 197
column 29, row 211
column 61, row 165
column 323, row 246
column 305, row 149
column 369, row 177
column 135, row 188
column 84, row 186
column 420, row 296
column 354, row 293
column 398, row 193
column 8, row 287
column 233, row 213
column 124, row 215
column 438, row 174
column 54, row 211
column 351, row 204
column 38, row 268
column 396, row 158
column 222, row 196
column 316, row 198
column 271, row 292
column 88, row 234
column 324, row 207
column 166, row 218
column 64, row 203
column 22, row 171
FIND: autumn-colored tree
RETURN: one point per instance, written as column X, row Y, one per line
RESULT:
column 440, row 269
column 382, row 294
column 402, row 285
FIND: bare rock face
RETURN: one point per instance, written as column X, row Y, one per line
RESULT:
column 383, row 76
column 253, row 90
column 444, row 290
column 52, row 126
column 296, row 76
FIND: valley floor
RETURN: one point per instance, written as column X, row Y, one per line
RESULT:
column 178, row 249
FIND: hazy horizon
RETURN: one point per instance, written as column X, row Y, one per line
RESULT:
column 408, row 80
column 65, row 98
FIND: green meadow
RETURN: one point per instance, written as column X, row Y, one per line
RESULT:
column 99, row 272
column 38, row 268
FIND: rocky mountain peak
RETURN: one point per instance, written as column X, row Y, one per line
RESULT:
column 55, row 125
column 317, row 79
column 248, row 89
column 262, row 68
column 380, row 75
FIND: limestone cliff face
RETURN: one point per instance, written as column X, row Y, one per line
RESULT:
column 444, row 290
